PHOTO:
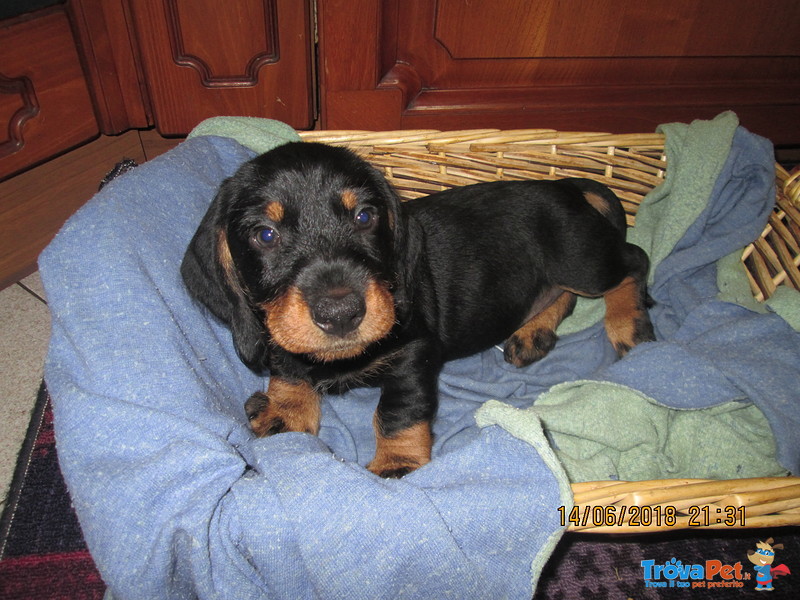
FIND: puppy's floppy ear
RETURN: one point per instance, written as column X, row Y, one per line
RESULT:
column 392, row 200
column 210, row 276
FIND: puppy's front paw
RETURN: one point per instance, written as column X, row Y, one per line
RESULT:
column 403, row 451
column 394, row 467
column 521, row 351
column 263, row 422
column 287, row 406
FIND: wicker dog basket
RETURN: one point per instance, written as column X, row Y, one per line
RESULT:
column 421, row 162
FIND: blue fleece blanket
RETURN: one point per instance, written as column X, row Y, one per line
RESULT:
column 178, row 500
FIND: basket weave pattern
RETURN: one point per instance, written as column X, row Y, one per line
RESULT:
column 421, row 162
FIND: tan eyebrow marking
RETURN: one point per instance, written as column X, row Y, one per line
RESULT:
column 274, row 211
column 349, row 199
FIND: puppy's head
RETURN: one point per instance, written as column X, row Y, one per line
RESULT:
column 298, row 249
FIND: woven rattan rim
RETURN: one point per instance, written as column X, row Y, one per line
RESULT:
column 419, row 162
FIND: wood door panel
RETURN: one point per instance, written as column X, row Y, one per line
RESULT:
column 614, row 28
column 45, row 107
column 621, row 65
column 202, row 61
column 112, row 68
column 205, row 45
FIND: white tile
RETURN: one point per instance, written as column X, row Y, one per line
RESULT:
column 34, row 284
column 24, row 334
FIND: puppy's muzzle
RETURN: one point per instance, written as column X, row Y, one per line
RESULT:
column 334, row 310
column 339, row 312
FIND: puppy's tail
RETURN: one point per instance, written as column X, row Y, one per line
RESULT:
column 603, row 200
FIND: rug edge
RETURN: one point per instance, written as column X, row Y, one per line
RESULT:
column 23, row 465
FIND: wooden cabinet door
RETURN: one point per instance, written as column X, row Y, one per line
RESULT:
column 111, row 63
column 614, row 65
column 205, row 58
column 45, row 107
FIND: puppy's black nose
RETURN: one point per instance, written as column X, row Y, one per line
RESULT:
column 339, row 312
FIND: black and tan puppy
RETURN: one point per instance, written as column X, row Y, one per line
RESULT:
column 328, row 281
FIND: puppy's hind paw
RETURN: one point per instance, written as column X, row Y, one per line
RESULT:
column 522, row 351
column 640, row 330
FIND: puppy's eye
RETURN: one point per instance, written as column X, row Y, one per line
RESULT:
column 365, row 218
column 266, row 238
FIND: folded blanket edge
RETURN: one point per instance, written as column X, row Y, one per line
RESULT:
column 256, row 133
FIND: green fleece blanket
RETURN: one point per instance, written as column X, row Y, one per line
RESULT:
column 259, row 135
column 604, row 430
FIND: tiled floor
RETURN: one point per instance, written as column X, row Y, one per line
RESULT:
column 24, row 333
